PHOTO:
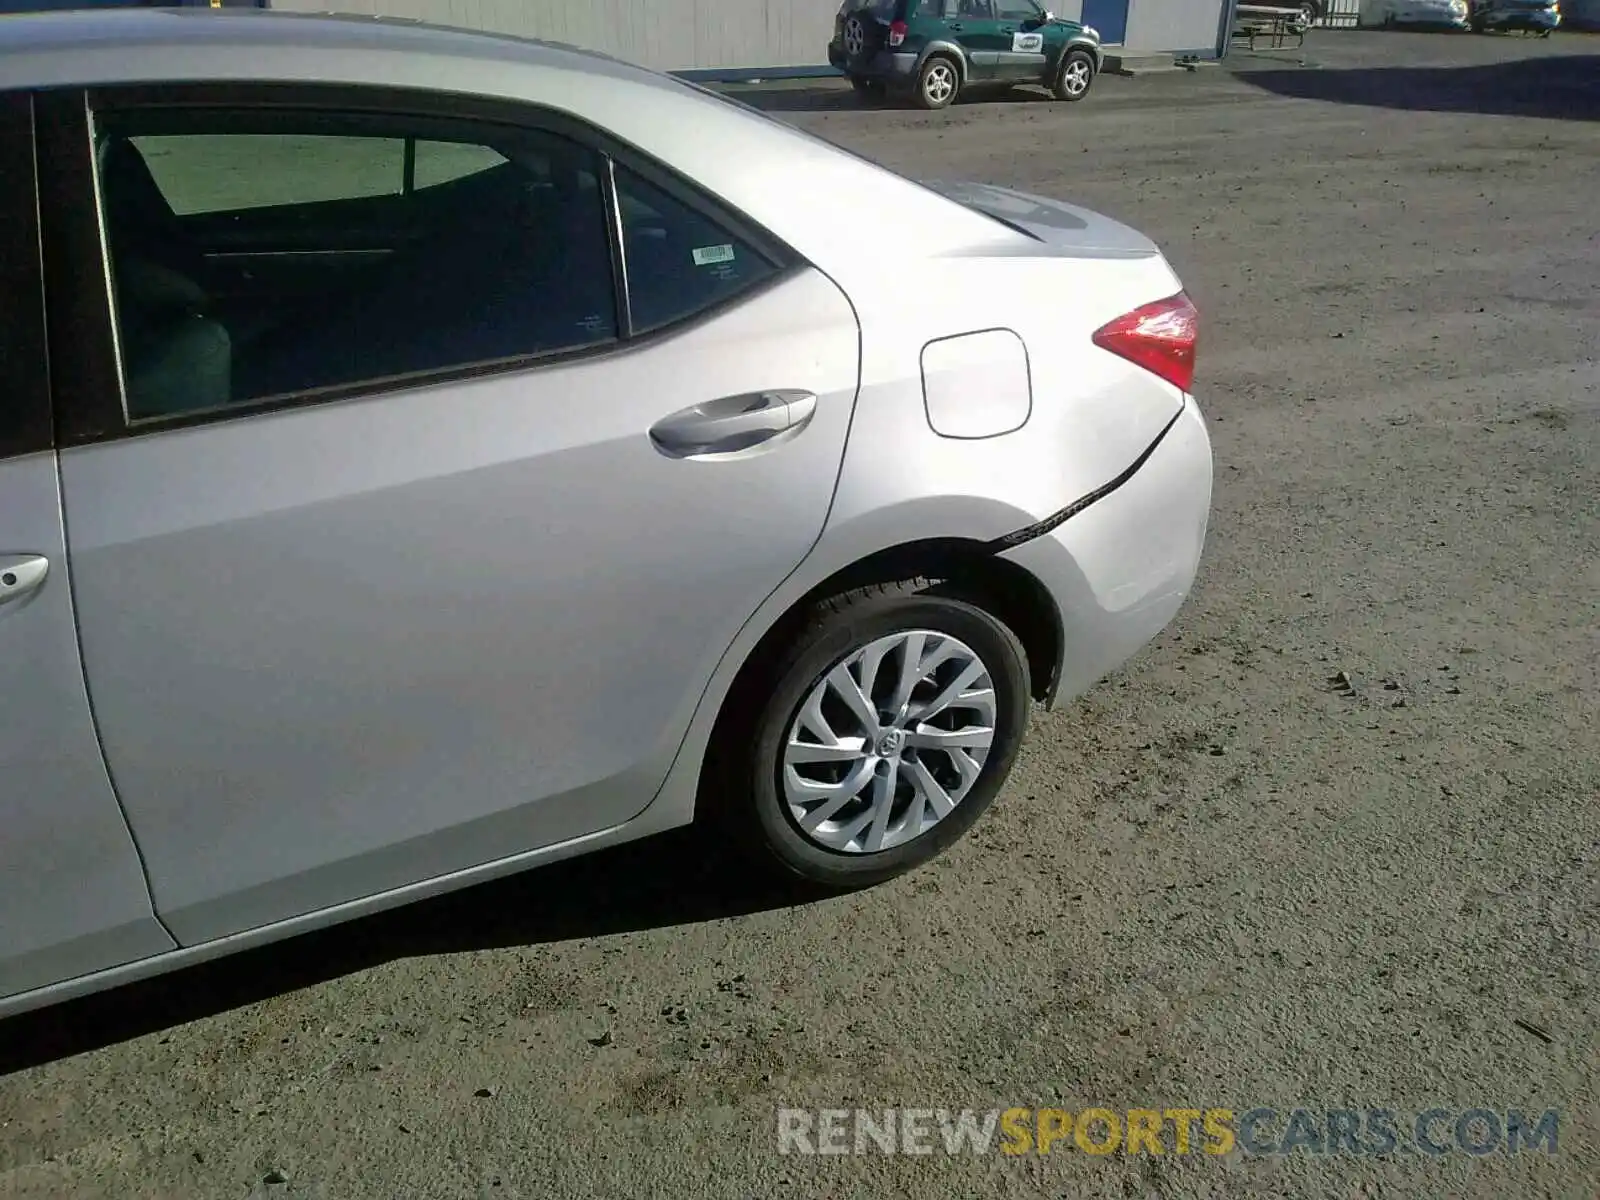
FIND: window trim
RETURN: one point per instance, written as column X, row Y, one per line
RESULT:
column 617, row 235
column 25, row 411
column 89, row 388
column 86, row 384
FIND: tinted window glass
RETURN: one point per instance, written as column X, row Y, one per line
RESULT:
column 444, row 162
column 1019, row 10
column 680, row 261
column 204, row 173
column 264, row 253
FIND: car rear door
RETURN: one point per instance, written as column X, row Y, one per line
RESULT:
column 440, row 574
column 72, row 895
column 973, row 25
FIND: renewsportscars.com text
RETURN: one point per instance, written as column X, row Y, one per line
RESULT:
column 1256, row 1132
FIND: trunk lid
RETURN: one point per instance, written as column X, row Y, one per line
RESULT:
column 1063, row 226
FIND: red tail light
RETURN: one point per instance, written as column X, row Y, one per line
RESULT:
column 1159, row 337
column 897, row 32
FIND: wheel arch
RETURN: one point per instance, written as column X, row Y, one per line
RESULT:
column 1093, row 48
column 950, row 50
column 965, row 566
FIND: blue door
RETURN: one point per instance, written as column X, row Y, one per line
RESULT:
column 1109, row 18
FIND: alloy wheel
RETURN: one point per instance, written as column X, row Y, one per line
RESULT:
column 1075, row 79
column 889, row 742
column 939, row 83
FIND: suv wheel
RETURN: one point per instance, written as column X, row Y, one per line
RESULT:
column 938, row 82
column 867, row 89
column 856, row 37
column 1076, row 76
column 878, row 738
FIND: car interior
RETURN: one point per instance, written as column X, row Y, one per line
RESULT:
column 224, row 307
column 247, row 300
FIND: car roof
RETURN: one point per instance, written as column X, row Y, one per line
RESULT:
column 101, row 46
column 798, row 187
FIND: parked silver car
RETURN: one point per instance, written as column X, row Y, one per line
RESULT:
column 425, row 455
column 1451, row 14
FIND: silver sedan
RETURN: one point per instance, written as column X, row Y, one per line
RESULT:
column 425, row 455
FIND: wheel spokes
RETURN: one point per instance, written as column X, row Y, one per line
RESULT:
column 883, row 790
column 974, row 737
column 843, row 751
column 911, row 670
column 843, row 684
column 888, row 742
column 954, row 691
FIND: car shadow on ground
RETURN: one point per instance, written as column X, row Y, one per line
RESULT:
column 1561, row 88
column 781, row 98
column 670, row 879
column 838, row 97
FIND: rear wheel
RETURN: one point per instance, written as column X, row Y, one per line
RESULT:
column 938, row 82
column 1075, row 77
column 877, row 739
column 867, row 89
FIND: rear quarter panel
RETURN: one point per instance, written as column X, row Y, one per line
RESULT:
column 1092, row 412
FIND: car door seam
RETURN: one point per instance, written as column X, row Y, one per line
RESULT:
column 88, row 698
column 822, row 529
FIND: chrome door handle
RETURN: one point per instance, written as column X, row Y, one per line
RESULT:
column 734, row 425
column 954, row 28
column 21, row 574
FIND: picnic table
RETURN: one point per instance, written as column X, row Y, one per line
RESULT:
column 1255, row 21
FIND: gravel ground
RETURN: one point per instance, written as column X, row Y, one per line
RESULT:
column 1326, row 843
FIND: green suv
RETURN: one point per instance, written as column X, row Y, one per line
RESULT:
column 932, row 49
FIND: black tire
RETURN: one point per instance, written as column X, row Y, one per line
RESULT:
column 749, row 803
column 938, row 83
column 868, row 89
column 1308, row 15
column 1075, row 76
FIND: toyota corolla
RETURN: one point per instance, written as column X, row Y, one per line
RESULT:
column 426, row 455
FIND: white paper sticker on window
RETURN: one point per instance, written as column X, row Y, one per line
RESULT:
column 1027, row 43
column 705, row 256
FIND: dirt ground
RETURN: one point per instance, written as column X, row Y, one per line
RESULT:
column 1330, row 842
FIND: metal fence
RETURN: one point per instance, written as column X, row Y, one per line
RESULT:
column 1340, row 14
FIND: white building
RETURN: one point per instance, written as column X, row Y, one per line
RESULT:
column 773, row 38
